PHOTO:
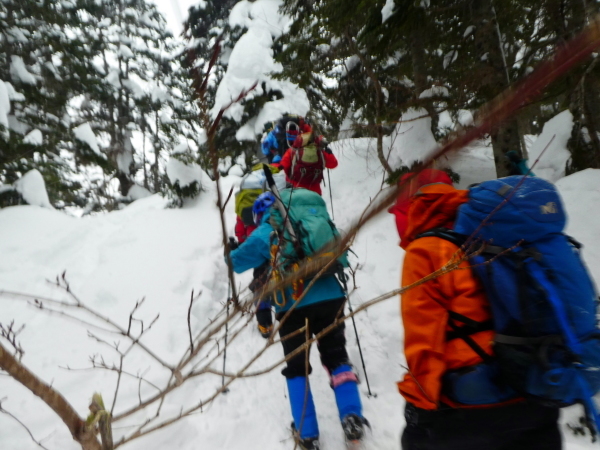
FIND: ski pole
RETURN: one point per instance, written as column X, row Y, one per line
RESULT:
column 330, row 195
column 226, row 390
column 342, row 276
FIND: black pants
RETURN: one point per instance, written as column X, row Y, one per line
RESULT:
column 521, row 426
column 332, row 346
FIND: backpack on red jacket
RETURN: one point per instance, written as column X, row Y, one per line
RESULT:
column 308, row 161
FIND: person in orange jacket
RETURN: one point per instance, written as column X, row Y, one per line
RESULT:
column 434, row 421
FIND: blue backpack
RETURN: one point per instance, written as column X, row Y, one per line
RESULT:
column 542, row 298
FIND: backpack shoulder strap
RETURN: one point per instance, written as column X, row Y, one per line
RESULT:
column 446, row 234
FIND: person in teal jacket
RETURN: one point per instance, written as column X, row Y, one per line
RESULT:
column 321, row 306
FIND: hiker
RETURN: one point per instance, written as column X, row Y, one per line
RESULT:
column 438, row 348
column 276, row 140
column 518, row 165
column 251, row 187
column 306, row 160
column 321, row 305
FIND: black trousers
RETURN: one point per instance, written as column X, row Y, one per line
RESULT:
column 521, row 426
column 332, row 346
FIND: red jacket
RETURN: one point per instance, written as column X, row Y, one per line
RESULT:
column 331, row 162
column 242, row 231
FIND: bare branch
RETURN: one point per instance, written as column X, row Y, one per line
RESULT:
column 52, row 398
column 2, row 410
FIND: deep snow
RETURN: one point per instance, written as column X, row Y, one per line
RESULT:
column 147, row 251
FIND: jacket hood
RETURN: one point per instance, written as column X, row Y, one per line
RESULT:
column 433, row 206
column 409, row 189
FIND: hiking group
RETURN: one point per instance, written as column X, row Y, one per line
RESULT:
column 499, row 311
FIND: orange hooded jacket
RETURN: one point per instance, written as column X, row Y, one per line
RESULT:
column 425, row 307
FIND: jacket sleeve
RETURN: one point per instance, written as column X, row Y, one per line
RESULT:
column 425, row 318
column 254, row 251
column 240, row 230
column 331, row 161
column 286, row 162
column 269, row 143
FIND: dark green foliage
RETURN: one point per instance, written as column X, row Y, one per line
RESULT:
column 90, row 60
column 474, row 49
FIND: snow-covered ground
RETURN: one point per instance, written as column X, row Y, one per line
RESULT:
column 148, row 251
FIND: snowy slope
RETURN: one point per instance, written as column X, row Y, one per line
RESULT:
column 161, row 254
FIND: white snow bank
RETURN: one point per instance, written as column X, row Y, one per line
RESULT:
column 412, row 139
column 555, row 135
column 32, row 188
column 186, row 174
column 137, row 192
column 581, row 196
column 85, row 134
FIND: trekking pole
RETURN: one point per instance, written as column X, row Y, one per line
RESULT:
column 281, row 207
column 330, row 196
column 226, row 390
column 342, row 276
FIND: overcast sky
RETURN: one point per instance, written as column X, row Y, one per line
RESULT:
column 175, row 11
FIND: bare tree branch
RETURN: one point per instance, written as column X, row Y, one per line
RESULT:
column 52, row 398
column 4, row 411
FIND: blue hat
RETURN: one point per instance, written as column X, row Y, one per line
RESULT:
column 262, row 203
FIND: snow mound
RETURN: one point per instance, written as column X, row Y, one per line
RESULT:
column 412, row 139
column 555, row 135
column 32, row 188
column 186, row 174
column 581, row 194
column 137, row 192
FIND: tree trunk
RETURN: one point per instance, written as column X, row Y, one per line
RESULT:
column 418, row 66
column 505, row 136
column 52, row 398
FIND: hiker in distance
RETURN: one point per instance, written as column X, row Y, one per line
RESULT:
column 453, row 400
column 247, row 210
column 319, row 307
column 304, row 156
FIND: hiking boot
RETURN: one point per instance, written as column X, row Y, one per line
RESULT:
column 265, row 331
column 306, row 443
column 309, row 444
column 354, row 427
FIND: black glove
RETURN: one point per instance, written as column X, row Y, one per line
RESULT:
column 328, row 150
column 233, row 244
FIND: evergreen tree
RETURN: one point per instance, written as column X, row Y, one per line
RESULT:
column 33, row 46
column 207, row 27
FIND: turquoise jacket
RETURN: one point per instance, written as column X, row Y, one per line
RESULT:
column 256, row 250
